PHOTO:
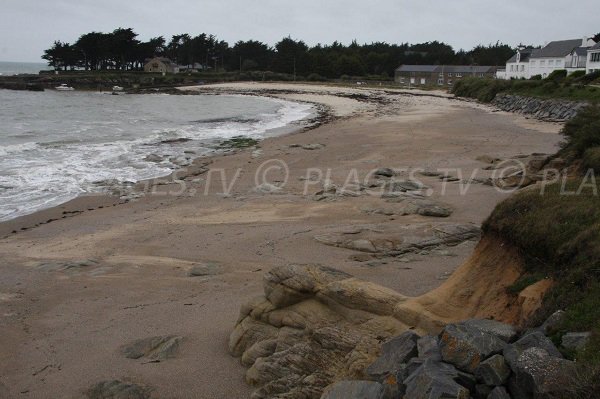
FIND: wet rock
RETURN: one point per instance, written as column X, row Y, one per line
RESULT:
column 154, row 158
column 576, row 341
column 430, row 173
column 535, row 339
column 154, row 348
column 425, row 207
column 117, row 390
column 355, row 390
column 385, row 172
column 308, row 147
column 499, row 393
column 466, row 347
column 434, row 380
column 540, row 375
column 403, row 186
column 394, row 354
column 504, row 331
column 205, row 269
column 493, row 371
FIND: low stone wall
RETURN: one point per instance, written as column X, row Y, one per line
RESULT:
column 551, row 110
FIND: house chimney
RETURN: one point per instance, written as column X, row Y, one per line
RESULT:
column 584, row 42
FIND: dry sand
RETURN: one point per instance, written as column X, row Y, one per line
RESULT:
column 61, row 330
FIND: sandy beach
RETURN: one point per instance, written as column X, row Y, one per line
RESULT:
column 81, row 281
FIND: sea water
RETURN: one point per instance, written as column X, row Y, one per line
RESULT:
column 55, row 146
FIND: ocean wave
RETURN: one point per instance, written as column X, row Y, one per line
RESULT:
column 36, row 176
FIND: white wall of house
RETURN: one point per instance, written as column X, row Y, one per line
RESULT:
column 545, row 66
column 517, row 70
column 593, row 61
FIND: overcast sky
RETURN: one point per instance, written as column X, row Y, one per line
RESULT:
column 27, row 27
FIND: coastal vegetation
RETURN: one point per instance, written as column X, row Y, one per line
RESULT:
column 122, row 50
column 574, row 87
column 558, row 234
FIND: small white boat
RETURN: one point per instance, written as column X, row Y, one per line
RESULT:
column 117, row 88
column 64, row 87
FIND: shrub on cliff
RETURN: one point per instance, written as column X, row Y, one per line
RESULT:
column 484, row 90
column 557, row 230
column 582, row 132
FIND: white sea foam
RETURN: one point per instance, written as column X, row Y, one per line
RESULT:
column 83, row 146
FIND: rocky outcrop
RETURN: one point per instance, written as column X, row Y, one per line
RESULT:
column 551, row 110
column 399, row 240
column 315, row 326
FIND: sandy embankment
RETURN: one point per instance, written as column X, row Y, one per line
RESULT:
column 63, row 324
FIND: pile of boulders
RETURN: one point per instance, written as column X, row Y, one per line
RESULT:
column 552, row 110
column 473, row 359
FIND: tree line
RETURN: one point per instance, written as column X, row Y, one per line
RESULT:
column 122, row 50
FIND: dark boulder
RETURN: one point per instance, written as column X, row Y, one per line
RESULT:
column 395, row 353
column 355, row 390
column 466, row 346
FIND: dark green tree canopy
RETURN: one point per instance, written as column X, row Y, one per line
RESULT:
column 122, row 50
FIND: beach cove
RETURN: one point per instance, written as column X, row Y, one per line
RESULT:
column 97, row 274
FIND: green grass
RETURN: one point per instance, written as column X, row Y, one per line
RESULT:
column 554, row 87
column 557, row 231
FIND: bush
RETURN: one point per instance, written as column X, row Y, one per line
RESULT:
column 583, row 131
column 589, row 78
column 591, row 159
column 558, row 75
column 536, row 77
column 315, row 77
column 576, row 75
column 483, row 89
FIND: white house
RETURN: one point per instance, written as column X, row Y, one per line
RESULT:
column 518, row 66
column 593, row 59
column 562, row 54
column 556, row 55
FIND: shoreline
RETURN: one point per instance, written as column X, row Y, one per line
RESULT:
column 76, row 290
column 98, row 200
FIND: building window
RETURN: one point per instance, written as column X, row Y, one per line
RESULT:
column 458, row 75
column 533, row 63
column 441, row 81
column 449, row 75
column 542, row 63
column 595, row 57
column 550, row 63
column 423, row 81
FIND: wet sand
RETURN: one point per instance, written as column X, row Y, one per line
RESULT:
column 74, row 290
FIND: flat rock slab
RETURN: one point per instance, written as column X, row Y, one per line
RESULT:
column 117, row 390
column 399, row 240
column 205, row 269
column 153, row 349
column 59, row 266
column 308, row 147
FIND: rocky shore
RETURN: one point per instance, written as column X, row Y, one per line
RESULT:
column 550, row 110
